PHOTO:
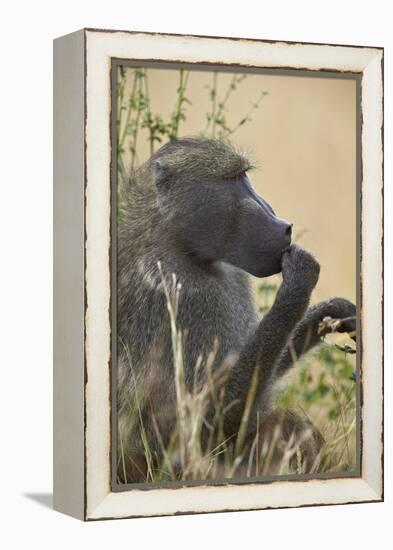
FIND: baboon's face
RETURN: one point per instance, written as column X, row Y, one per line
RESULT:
column 225, row 220
column 258, row 237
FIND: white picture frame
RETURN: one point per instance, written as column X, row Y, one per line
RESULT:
column 82, row 257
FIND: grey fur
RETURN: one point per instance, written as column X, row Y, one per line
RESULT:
column 191, row 207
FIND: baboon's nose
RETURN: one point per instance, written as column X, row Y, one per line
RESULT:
column 284, row 233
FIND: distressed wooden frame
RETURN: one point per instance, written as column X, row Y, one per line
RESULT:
column 82, row 291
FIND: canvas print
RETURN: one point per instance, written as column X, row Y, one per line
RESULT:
column 235, row 275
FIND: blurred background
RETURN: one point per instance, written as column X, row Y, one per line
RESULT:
column 300, row 130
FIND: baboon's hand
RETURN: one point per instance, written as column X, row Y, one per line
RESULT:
column 300, row 270
column 339, row 316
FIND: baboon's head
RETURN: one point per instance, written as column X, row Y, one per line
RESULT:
column 211, row 209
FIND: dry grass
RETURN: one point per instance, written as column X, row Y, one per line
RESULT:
column 321, row 387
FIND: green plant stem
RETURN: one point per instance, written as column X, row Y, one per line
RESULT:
column 180, row 100
column 122, row 81
column 148, row 110
column 129, row 109
column 246, row 117
column 214, row 102
column 222, row 104
column 137, row 120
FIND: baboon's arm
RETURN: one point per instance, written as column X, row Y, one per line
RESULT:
column 312, row 327
column 300, row 273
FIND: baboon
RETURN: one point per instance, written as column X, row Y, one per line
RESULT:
column 192, row 208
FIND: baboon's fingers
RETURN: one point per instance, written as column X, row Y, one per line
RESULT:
column 329, row 325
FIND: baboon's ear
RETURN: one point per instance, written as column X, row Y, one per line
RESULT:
column 160, row 174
